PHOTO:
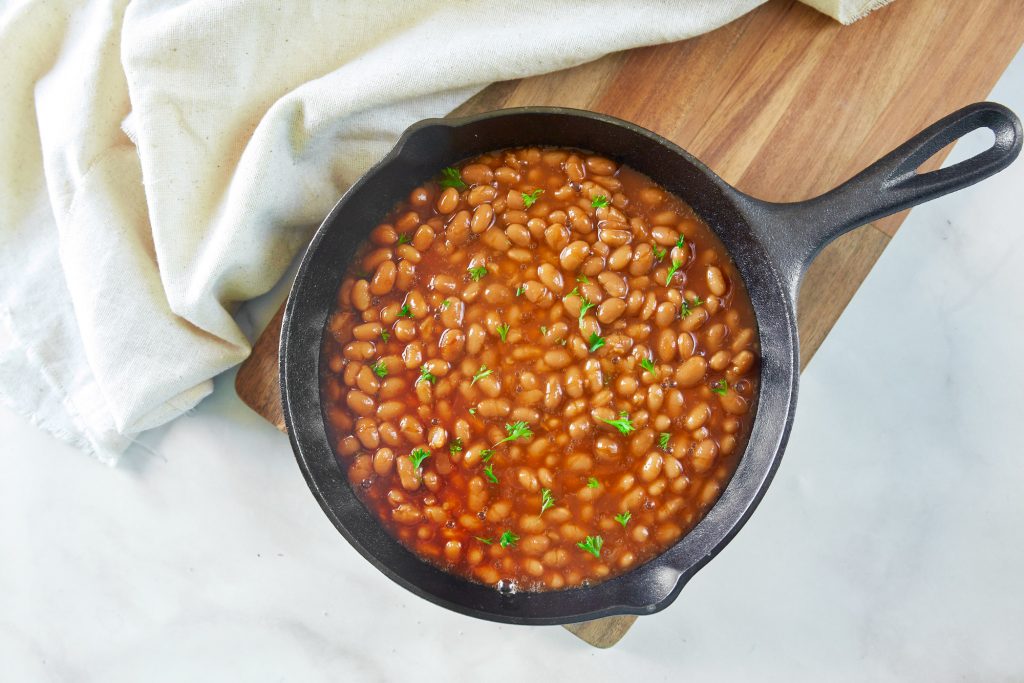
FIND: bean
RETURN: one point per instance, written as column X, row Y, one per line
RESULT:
column 423, row 238
column 375, row 258
column 494, row 407
column 742, row 362
column 496, row 239
column 407, row 474
column 643, row 260
column 578, row 462
column 367, row 331
column 716, row 281
column 406, row 275
column 613, row 284
column 665, row 314
column 476, row 337
column 477, row 174
column 720, row 360
column 691, row 373
column 519, row 234
column 417, row 305
column 412, row 355
column 614, row 237
column 610, row 310
column 556, row 236
column 571, row 257
column 553, row 393
column 694, row 321
column 406, row 514
column 733, row 403
column 359, row 403
column 601, row 166
column 651, row 467
column 477, row 495
column 557, row 358
column 704, row 455
column 534, row 544
column 384, row 278
column 367, row 381
column 528, row 479
column 664, row 236
column 437, row 436
column 481, row 194
column 383, row 461
column 697, row 416
column 361, row 295
column 411, row 429
column 620, row 258
column 715, row 335
column 457, row 230
column 448, row 200
column 666, row 533
column 551, row 278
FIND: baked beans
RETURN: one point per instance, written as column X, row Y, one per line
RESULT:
column 541, row 369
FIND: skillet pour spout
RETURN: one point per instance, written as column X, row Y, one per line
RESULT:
column 771, row 244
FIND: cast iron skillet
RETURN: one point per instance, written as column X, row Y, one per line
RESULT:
column 771, row 244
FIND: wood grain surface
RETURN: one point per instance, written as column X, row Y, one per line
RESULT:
column 783, row 103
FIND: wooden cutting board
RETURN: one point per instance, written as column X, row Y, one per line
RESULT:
column 783, row 103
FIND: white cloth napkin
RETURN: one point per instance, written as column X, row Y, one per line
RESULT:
column 163, row 162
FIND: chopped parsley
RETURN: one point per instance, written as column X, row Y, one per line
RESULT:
column 445, row 304
column 659, row 253
column 450, row 177
column 681, row 241
column 418, row 455
column 596, row 341
column 529, row 198
column 379, row 369
column 503, row 330
column 478, row 274
column 685, row 308
column 721, row 387
column 516, row 430
column 593, row 483
column 676, row 265
column 472, row 411
column 486, row 454
column 543, row 330
column 583, row 279
column 455, row 446
column 426, row 375
column 623, row 519
column 480, row 374
column 585, row 306
column 648, row 365
column 663, row 440
column 405, row 238
column 486, row 541
column 520, row 290
column 489, row 471
column 384, row 335
column 623, row 424
column 405, row 312
column 508, row 538
column 546, row 500
column 599, row 201
column 592, row 545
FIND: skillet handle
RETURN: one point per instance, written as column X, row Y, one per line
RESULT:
column 795, row 233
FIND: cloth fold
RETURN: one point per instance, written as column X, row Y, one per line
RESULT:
column 164, row 162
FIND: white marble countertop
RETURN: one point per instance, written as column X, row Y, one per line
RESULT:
column 888, row 547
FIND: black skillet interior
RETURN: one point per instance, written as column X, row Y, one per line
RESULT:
column 769, row 256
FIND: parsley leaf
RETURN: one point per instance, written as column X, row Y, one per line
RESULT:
column 663, row 440
column 445, row 304
column 546, row 500
column 405, row 238
column 583, row 279
column 593, row 483
column 681, row 241
column 486, row 454
column 599, row 201
column 480, row 374
column 596, row 341
column 676, row 265
column 487, row 541
column 592, row 545
column 520, row 290
column 529, row 198
column 516, row 430
column 697, row 301
column 684, row 309
column 543, row 330
column 455, row 446
column 623, row 424
column 623, row 519
column 659, row 253
column 721, row 387
column 384, row 335
column 450, row 177
column 405, row 312
column 478, row 274
column 379, row 369
column 418, row 455
column 426, row 375
column 489, row 471
column 585, row 306
column 648, row 365
column 508, row 538
column 503, row 330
